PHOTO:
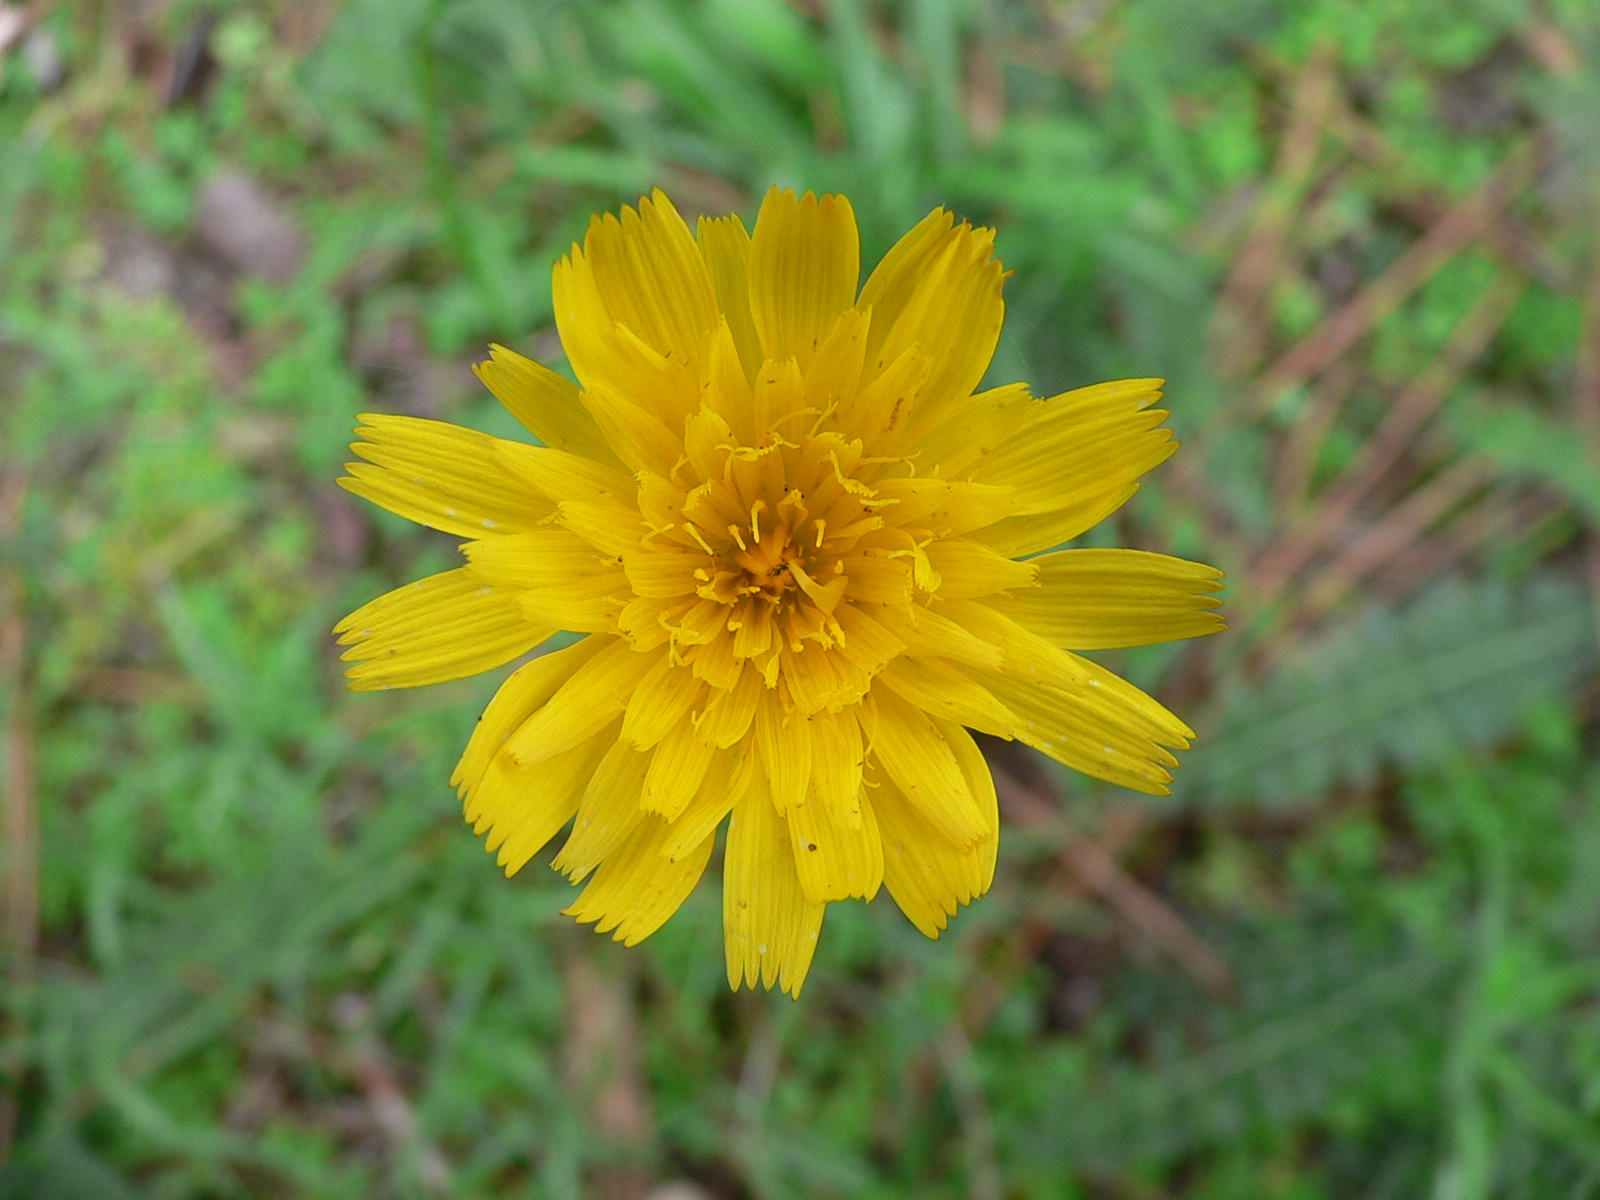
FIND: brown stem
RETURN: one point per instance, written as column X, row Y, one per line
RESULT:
column 1387, row 445
column 20, row 858
column 1453, row 232
column 1102, row 874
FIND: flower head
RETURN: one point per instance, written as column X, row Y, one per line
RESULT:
column 795, row 538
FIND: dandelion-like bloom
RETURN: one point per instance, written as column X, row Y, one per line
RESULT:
column 794, row 538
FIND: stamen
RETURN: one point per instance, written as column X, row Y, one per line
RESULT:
column 770, row 443
column 822, row 524
column 822, row 417
column 849, row 484
column 734, row 532
column 694, row 532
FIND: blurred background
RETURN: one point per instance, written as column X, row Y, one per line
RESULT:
column 250, row 949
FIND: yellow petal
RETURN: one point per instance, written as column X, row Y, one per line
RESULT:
column 1114, row 694
column 783, row 746
column 645, row 623
column 916, row 755
column 644, row 273
column 1032, row 659
column 727, row 382
column 607, row 812
column 927, row 633
column 545, row 403
column 525, row 690
column 725, row 246
column 954, row 437
column 834, row 372
column 725, row 783
column 833, row 832
column 597, row 691
column 677, row 767
column 938, row 288
column 662, row 572
column 877, row 579
column 558, row 578
column 929, row 876
column 836, row 763
column 1021, row 652
column 980, row 782
column 522, row 808
column 805, row 263
column 941, row 690
column 729, row 714
column 541, row 558
column 967, row 568
column 820, row 680
column 638, row 435
column 631, row 376
column 1075, row 461
column 1110, row 731
column 1101, row 599
column 834, row 857
column 778, row 395
column 878, row 411
column 446, row 626
column 1079, row 425
column 868, row 643
column 558, row 475
column 660, row 702
column 587, row 611
column 612, row 529
column 947, row 508
column 440, row 475
column 638, row 886
column 769, row 927
column 714, row 662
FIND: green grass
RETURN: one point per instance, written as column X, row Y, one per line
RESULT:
column 269, row 959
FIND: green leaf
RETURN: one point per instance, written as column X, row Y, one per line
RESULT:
column 1452, row 670
column 1529, row 446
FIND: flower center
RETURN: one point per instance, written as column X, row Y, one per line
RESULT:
column 764, row 559
column 757, row 552
column 776, row 562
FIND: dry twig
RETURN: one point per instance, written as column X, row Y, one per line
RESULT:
column 1146, row 912
column 1260, row 263
column 1298, row 458
column 1506, row 238
column 21, row 847
column 1395, row 533
column 1488, row 521
column 1453, row 232
column 605, row 1071
column 1387, row 445
column 954, row 1048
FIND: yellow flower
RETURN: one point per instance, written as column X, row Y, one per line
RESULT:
column 795, row 538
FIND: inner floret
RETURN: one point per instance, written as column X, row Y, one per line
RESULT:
column 757, row 554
